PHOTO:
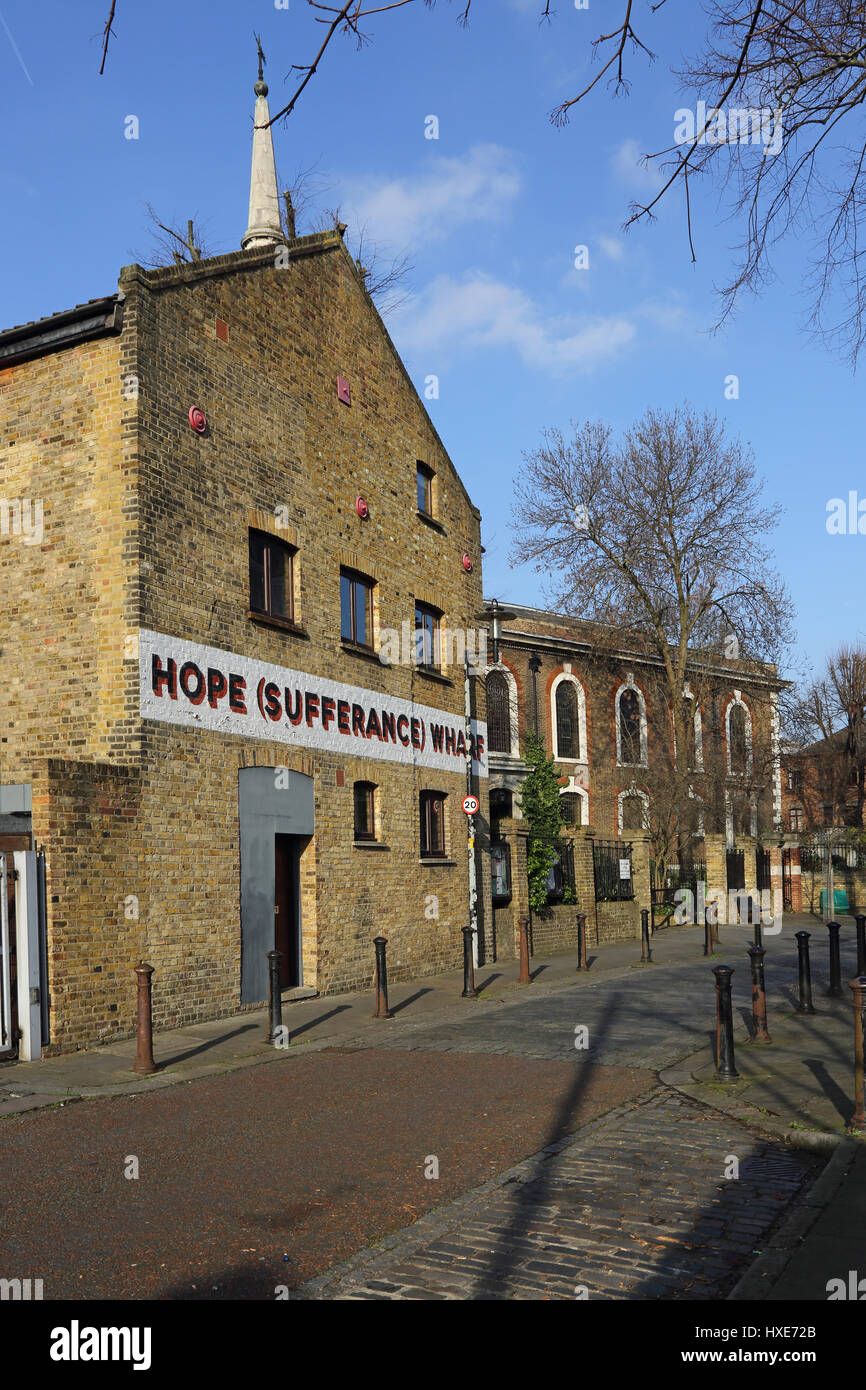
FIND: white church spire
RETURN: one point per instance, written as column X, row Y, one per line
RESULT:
column 265, row 227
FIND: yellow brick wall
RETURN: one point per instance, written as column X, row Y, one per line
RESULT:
column 154, row 534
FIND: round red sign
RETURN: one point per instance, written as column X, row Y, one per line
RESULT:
column 470, row 805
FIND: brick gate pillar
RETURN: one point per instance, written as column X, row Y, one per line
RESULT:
column 715, row 854
column 640, row 871
column 515, row 833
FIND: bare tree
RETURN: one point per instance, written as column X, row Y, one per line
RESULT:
column 781, row 82
column 385, row 275
column 831, row 729
column 657, row 540
column 169, row 244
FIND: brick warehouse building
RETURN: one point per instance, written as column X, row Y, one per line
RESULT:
column 603, row 714
column 221, row 497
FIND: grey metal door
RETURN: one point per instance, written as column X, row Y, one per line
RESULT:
column 271, row 801
column 7, row 1041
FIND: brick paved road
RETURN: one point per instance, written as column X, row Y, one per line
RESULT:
column 320, row 1155
column 638, row 1207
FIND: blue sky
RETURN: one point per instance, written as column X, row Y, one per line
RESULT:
column 490, row 212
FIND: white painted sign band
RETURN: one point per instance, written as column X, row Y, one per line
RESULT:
column 202, row 687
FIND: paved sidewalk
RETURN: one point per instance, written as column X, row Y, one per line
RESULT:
column 227, row 1044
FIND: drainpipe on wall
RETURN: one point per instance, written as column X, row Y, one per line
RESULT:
column 470, row 820
column 535, row 667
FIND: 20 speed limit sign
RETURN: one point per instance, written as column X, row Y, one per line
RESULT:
column 470, row 805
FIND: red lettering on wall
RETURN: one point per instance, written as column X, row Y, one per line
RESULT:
column 217, row 686
column 272, row 701
column 160, row 677
column 190, row 672
column 237, row 694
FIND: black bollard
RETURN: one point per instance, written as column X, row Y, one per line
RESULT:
column 581, row 941
column 759, row 996
column 275, row 1003
column 469, row 990
column 805, row 1004
column 858, row 1120
column 646, row 955
column 708, row 933
column 758, row 934
column 860, row 923
column 523, row 928
column 382, row 1010
column 725, row 1069
column 835, row 962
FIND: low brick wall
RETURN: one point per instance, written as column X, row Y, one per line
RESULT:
column 617, row 922
column 813, row 881
column 555, row 930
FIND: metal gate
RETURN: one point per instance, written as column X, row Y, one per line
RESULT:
column 763, row 880
column 6, row 938
column 736, row 870
column 787, row 890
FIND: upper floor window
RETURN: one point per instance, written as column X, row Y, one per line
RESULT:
column 356, row 608
column 498, row 714
column 567, row 723
column 425, row 489
column 271, row 576
column 737, row 738
column 365, row 808
column 432, row 824
column 795, row 781
column 796, row 814
column 629, row 727
column 427, row 636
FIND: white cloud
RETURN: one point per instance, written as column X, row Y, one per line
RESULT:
column 477, row 186
column 479, row 311
column 612, row 248
column 628, row 166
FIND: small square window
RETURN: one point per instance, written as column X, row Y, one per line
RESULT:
column 365, row 811
column 425, row 489
column 356, row 609
column 432, row 825
column 271, row 576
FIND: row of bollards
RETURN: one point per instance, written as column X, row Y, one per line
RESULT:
column 725, row 1064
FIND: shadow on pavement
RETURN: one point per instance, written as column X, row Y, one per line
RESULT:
column 314, row 1022
column 205, row 1047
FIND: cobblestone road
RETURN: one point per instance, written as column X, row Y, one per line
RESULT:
column 638, row 1207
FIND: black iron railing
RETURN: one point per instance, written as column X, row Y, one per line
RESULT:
column 610, row 858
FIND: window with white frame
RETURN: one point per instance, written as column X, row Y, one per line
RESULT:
column 738, row 736
column 568, row 719
column 631, row 724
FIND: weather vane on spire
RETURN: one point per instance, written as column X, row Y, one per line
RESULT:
column 261, row 88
